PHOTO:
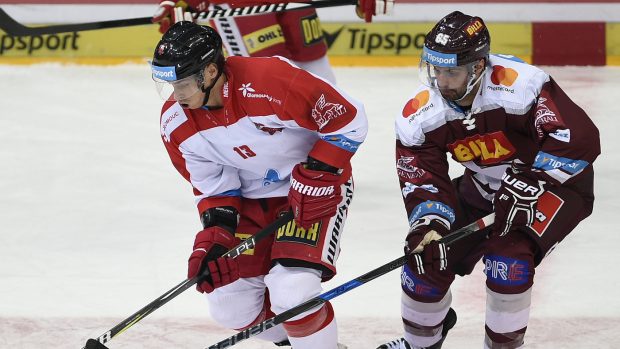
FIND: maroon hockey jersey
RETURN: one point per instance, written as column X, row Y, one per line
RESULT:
column 519, row 115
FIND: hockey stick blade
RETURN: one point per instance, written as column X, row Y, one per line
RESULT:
column 14, row 28
column 245, row 245
column 346, row 287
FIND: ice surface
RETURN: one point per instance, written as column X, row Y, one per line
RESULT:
column 95, row 223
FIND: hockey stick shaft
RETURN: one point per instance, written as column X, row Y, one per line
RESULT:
column 247, row 244
column 346, row 287
column 14, row 28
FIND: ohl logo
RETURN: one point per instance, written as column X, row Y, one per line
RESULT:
column 416, row 103
column 503, row 76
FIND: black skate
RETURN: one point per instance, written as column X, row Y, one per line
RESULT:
column 448, row 322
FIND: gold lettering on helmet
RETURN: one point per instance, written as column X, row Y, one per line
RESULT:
column 474, row 27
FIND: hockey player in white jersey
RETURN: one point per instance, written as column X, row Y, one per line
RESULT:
column 256, row 137
column 528, row 150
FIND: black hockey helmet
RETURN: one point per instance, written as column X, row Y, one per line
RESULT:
column 186, row 49
column 457, row 39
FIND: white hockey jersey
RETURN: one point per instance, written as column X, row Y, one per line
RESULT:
column 274, row 115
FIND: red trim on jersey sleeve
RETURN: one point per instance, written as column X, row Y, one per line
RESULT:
column 219, row 201
column 330, row 154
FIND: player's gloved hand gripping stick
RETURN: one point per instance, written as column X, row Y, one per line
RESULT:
column 447, row 240
column 247, row 244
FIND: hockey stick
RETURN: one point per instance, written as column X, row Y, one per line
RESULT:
column 14, row 28
column 247, row 244
column 346, row 287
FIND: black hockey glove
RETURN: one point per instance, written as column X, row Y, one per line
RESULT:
column 516, row 200
column 424, row 252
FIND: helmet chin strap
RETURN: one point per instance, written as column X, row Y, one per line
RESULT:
column 470, row 84
column 207, row 90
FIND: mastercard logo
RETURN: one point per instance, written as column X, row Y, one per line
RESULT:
column 416, row 103
column 503, row 76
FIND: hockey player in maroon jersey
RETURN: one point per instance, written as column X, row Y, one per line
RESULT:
column 527, row 149
column 257, row 137
column 296, row 35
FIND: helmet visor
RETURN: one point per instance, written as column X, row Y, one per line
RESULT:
column 169, row 88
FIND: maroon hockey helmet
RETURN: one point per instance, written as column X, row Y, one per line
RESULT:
column 457, row 39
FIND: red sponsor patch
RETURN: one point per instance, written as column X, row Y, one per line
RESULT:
column 503, row 76
column 490, row 148
column 549, row 205
column 416, row 103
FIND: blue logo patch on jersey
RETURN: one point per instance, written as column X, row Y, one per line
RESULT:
column 432, row 207
column 271, row 176
column 342, row 142
column 546, row 162
column 506, row 271
column 412, row 285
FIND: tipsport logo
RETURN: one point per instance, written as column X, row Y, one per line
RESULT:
column 503, row 77
column 417, row 104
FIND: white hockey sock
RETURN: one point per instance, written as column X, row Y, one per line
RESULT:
column 326, row 338
column 421, row 320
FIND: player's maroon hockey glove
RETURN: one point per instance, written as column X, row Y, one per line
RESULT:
column 210, row 244
column 423, row 251
column 171, row 11
column 314, row 194
column 516, row 200
column 365, row 9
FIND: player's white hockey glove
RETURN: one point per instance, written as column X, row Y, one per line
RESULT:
column 516, row 200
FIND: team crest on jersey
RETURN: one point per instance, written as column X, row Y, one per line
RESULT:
column 490, row 148
column 417, row 105
column 292, row 233
column 325, row 111
column 547, row 116
column 407, row 169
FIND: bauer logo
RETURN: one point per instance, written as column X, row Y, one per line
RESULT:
column 417, row 104
column 439, row 59
column 292, row 233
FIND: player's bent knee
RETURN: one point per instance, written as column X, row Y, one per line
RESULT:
column 291, row 286
column 235, row 313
